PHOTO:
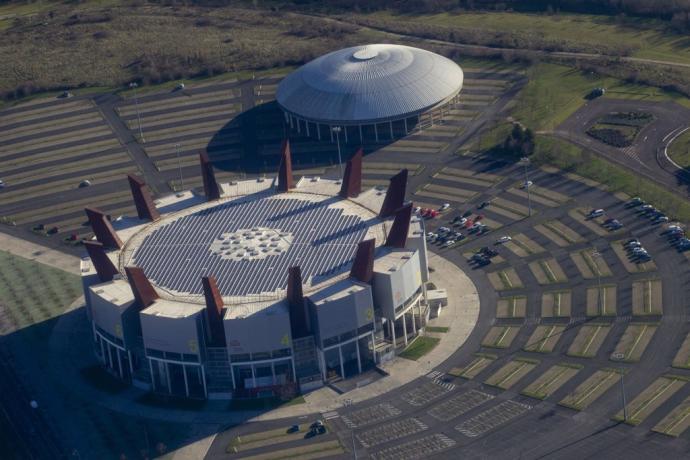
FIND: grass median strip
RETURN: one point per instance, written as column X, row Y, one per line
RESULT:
column 511, row 373
column 505, row 279
column 547, row 271
column 601, row 301
column 650, row 399
column 591, row 389
column 310, row 451
column 590, row 265
column 588, row 340
column 634, row 341
column 647, row 297
column 511, row 307
column 475, row 367
column 556, row 304
column 500, row 336
column 676, row 422
column 551, row 380
column 544, row 338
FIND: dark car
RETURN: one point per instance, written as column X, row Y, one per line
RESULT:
column 482, row 262
column 483, row 204
column 637, row 201
column 293, row 429
column 467, row 213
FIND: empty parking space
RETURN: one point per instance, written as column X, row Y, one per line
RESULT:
column 588, row 340
column 551, row 380
column 443, row 192
column 682, row 358
column 427, row 392
column 590, row 264
column 475, row 367
column 492, row 418
column 559, row 233
column 547, row 271
column 522, row 246
column 459, row 405
column 544, row 338
column 646, row 297
column 591, row 389
column 390, row 431
column 650, row 399
column 370, row 415
column 390, row 169
column 634, row 342
column 511, row 373
column 419, row 448
column 556, row 304
column 676, row 422
column 511, row 307
column 505, row 279
column 601, row 300
column 631, row 264
column 500, row 336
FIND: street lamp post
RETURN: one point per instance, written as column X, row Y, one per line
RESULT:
column 336, row 130
column 621, row 356
column 525, row 162
column 179, row 165
column 134, row 86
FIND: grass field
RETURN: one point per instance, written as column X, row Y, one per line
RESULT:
column 31, row 293
column 572, row 158
column 555, row 92
column 419, row 348
column 679, row 150
column 644, row 38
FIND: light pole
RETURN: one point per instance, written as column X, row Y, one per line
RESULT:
column 336, row 130
column 348, row 403
column 179, row 165
column 134, row 86
column 621, row 356
column 525, row 162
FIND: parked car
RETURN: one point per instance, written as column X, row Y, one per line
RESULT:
column 483, row 204
column 293, row 429
column 443, row 230
column 2, row 184
column 417, row 210
column 661, row 219
column 613, row 224
column 458, row 236
column 483, row 262
column 526, row 184
column 467, row 213
column 503, row 239
column 460, row 221
column 444, row 206
column 179, row 87
column 596, row 213
column 450, row 243
column 85, row 183
column 632, row 241
column 636, row 201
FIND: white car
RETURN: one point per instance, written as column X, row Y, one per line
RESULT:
column 596, row 213
column 179, row 86
column 639, row 250
column 526, row 184
column 2, row 184
column 444, row 206
column 444, row 230
column 417, row 210
column 504, row 239
column 462, row 221
column 450, row 242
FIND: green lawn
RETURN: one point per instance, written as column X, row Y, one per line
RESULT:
column 555, row 92
column 31, row 293
column 679, row 150
column 420, row 347
column 645, row 37
column 437, row 329
column 572, row 158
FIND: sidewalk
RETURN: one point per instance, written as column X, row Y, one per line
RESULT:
column 39, row 253
column 460, row 316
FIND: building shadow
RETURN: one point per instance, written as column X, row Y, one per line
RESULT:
column 250, row 144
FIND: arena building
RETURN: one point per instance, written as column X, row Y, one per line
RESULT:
column 256, row 287
column 369, row 93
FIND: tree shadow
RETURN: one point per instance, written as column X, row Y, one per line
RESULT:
column 250, row 143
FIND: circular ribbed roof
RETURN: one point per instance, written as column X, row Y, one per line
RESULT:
column 369, row 83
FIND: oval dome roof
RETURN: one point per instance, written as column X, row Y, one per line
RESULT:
column 369, row 83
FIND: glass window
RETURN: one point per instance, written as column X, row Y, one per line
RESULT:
column 177, row 386
column 261, row 356
column 190, row 358
column 332, row 359
column 154, row 353
column 173, row 356
column 195, row 381
column 240, row 358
